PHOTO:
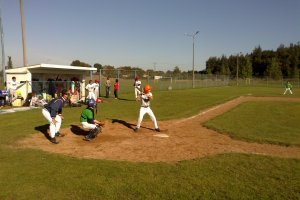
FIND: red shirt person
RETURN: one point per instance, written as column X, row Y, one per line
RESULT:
column 116, row 88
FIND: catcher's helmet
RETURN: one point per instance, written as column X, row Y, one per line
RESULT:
column 91, row 103
column 147, row 88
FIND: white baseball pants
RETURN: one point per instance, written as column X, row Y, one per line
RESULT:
column 288, row 89
column 54, row 128
column 88, row 125
column 13, row 95
column 143, row 111
column 92, row 96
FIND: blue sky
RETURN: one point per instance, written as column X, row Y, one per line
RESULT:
column 145, row 33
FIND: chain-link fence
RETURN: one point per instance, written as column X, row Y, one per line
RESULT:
column 158, row 81
column 49, row 89
column 265, row 82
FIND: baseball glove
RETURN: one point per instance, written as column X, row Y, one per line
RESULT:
column 102, row 124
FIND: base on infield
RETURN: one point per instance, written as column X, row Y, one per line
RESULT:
column 161, row 135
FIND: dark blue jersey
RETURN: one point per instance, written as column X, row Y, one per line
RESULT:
column 55, row 106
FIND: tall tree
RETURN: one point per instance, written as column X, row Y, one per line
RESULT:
column 295, row 72
column 109, row 71
column 257, row 61
column 79, row 63
column 9, row 63
column 283, row 57
column 176, row 72
column 98, row 66
column 224, row 68
column 273, row 69
column 246, row 68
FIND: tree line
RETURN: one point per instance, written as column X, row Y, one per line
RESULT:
column 284, row 62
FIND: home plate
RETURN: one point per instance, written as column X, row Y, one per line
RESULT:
column 162, row 135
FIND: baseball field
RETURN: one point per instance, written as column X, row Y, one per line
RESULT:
column 223, row 143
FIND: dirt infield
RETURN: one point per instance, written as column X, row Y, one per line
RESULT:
column 188, row 139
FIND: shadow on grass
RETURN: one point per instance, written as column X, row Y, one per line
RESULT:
column 44, row 130
column 77, row 130
column 126, row 99
column 111, row 98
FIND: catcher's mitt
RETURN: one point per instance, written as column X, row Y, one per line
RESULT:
column 102, row 124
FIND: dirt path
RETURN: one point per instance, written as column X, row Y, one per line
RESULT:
column 188, row 139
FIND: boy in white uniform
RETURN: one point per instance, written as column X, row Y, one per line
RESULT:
column 137, row 87
column 13, row 85
column 145, row 98
column 96, row 90
column 91, row 88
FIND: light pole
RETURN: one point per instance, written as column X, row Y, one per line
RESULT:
column 193, row 36
column 23, row 34
column 237, row 68
column 2, row 48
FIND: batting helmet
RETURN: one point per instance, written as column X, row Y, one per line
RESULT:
column 91, row 103
column 147, row 88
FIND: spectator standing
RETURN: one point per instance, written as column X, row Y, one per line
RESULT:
column 116, row 88
column 137, row 86
column 91, row 88
column 13, row 86
column 107, row 87
column 96, row 86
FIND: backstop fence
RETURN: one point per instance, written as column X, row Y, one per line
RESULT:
column 156, row 80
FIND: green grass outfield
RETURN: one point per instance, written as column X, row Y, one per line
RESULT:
column 264, row 122
column 34, row 174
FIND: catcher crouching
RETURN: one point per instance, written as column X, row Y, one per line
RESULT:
column 88, row 121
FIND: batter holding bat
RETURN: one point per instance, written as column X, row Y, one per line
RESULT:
column 144, row 98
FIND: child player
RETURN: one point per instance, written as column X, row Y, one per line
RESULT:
column 145, row 98
column 88, row 121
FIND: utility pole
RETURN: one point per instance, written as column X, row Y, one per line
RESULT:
column 193, row 36
column 2, row 48
column 237, row 68
column 23, row 34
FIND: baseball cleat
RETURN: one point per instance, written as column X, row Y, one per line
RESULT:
column 88, row 138
column 136, row 129
column 58, row 134
column 53, row 140
column 157, row 130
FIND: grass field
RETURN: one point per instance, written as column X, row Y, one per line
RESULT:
column 34, row 174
